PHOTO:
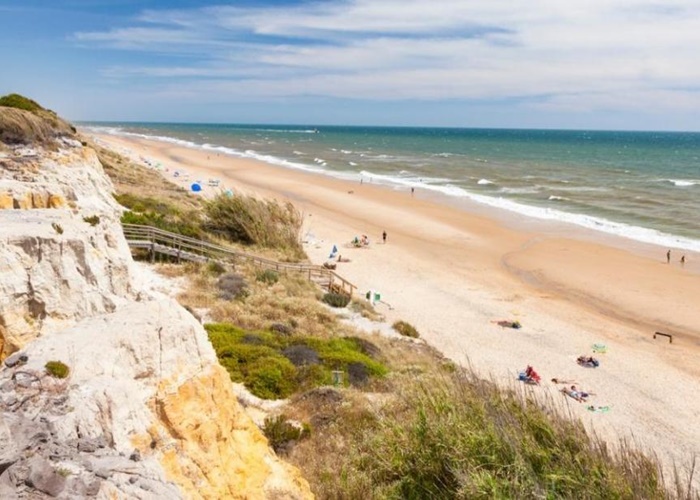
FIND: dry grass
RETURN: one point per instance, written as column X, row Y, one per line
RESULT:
column 133, row 179
column 18, row 126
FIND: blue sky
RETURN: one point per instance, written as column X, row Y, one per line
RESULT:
column 597, row 64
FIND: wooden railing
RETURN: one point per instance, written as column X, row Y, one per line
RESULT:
column 185, row 248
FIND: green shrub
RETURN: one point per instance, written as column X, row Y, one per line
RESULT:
column 336, row 299
column 216, row 268
column 249, row 220
column 281, row 434
column 405, row 329
column 267, row 276
column 57, row 369
column 276, row 366
column 271, row 377
column 57, row 227
column 93, row 220
column 147, row 211
column 19, row 102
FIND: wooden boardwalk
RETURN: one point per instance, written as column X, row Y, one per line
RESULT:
column 180, row 247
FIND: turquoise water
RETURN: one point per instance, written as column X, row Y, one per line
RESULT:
column 642, row 185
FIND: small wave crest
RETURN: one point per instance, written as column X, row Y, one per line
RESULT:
column 484, row 182
column 557, row 198
column 683, row 182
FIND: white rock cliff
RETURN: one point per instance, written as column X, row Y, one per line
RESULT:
column 146, row 411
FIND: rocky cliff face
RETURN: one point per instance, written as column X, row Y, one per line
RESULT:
column 146, row 411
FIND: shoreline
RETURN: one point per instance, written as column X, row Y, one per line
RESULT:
column 450, row 272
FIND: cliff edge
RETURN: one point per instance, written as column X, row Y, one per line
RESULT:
column 144, row 410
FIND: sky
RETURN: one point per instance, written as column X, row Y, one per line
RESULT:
column 591, row 64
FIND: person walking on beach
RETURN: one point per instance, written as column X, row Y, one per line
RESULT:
column 384, row 237
column 412, row 190
column 668, row 257
column 683, row 261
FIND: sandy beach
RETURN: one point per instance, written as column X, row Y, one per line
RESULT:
column 451, row 272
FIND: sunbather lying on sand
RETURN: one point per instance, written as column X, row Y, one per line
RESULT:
column 508, row 324
column 588, row 361
column 573, row 393
column 562, row 381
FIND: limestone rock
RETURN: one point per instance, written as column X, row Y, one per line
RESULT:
column 43, row 477
column 143, row 378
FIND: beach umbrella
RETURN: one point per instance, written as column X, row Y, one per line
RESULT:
column 196, row 187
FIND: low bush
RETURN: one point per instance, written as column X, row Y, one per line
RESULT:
column 57, row 369
column 57, row 227
column 215, row 268
column 267, row 276
column 301, row 355
column 338, row 300
column 20, row 102
column 232, row 286
column 251, row 221
column 405, row 329
column 93, row 220
column 281, row 434
column 273, row 366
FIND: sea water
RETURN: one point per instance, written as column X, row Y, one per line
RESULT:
column 640, row 185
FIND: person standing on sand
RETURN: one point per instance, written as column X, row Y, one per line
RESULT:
column 683, row 260
column 412, row 190
column 668, row 257
column 384, row 237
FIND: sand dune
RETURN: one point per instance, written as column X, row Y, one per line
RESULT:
column 450, row 270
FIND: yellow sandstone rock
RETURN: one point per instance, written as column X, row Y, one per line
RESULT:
column 24, row 202
column 220, row 452
column 6, row 201
column 40, row 200
column 56, row 201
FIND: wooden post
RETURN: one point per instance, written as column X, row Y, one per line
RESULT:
column 670, row 337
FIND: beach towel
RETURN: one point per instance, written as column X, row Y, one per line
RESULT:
column 600, row 348
column 598, row 409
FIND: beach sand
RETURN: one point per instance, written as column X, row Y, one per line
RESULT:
column 451, row 271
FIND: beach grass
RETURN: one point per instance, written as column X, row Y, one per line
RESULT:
column 458, row 436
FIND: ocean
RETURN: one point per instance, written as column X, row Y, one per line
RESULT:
column 639, row 185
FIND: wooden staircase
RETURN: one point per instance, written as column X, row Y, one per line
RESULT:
column 180, row 247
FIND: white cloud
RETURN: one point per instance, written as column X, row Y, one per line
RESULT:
column 598, row 54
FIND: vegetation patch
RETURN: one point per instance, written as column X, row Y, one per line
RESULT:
column 282, row 434
column 338, row 300
column 267, row 276
column 57, row 227
column 275, row 366
column 215, row 268
column 93, row 220
column 232, row 286
column 57, row 369
column 251, row 221
column 20, row 102
column 405, row 329
column 458, row 436
column 146, row 211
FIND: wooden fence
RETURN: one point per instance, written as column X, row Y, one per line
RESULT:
column 180, row 247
